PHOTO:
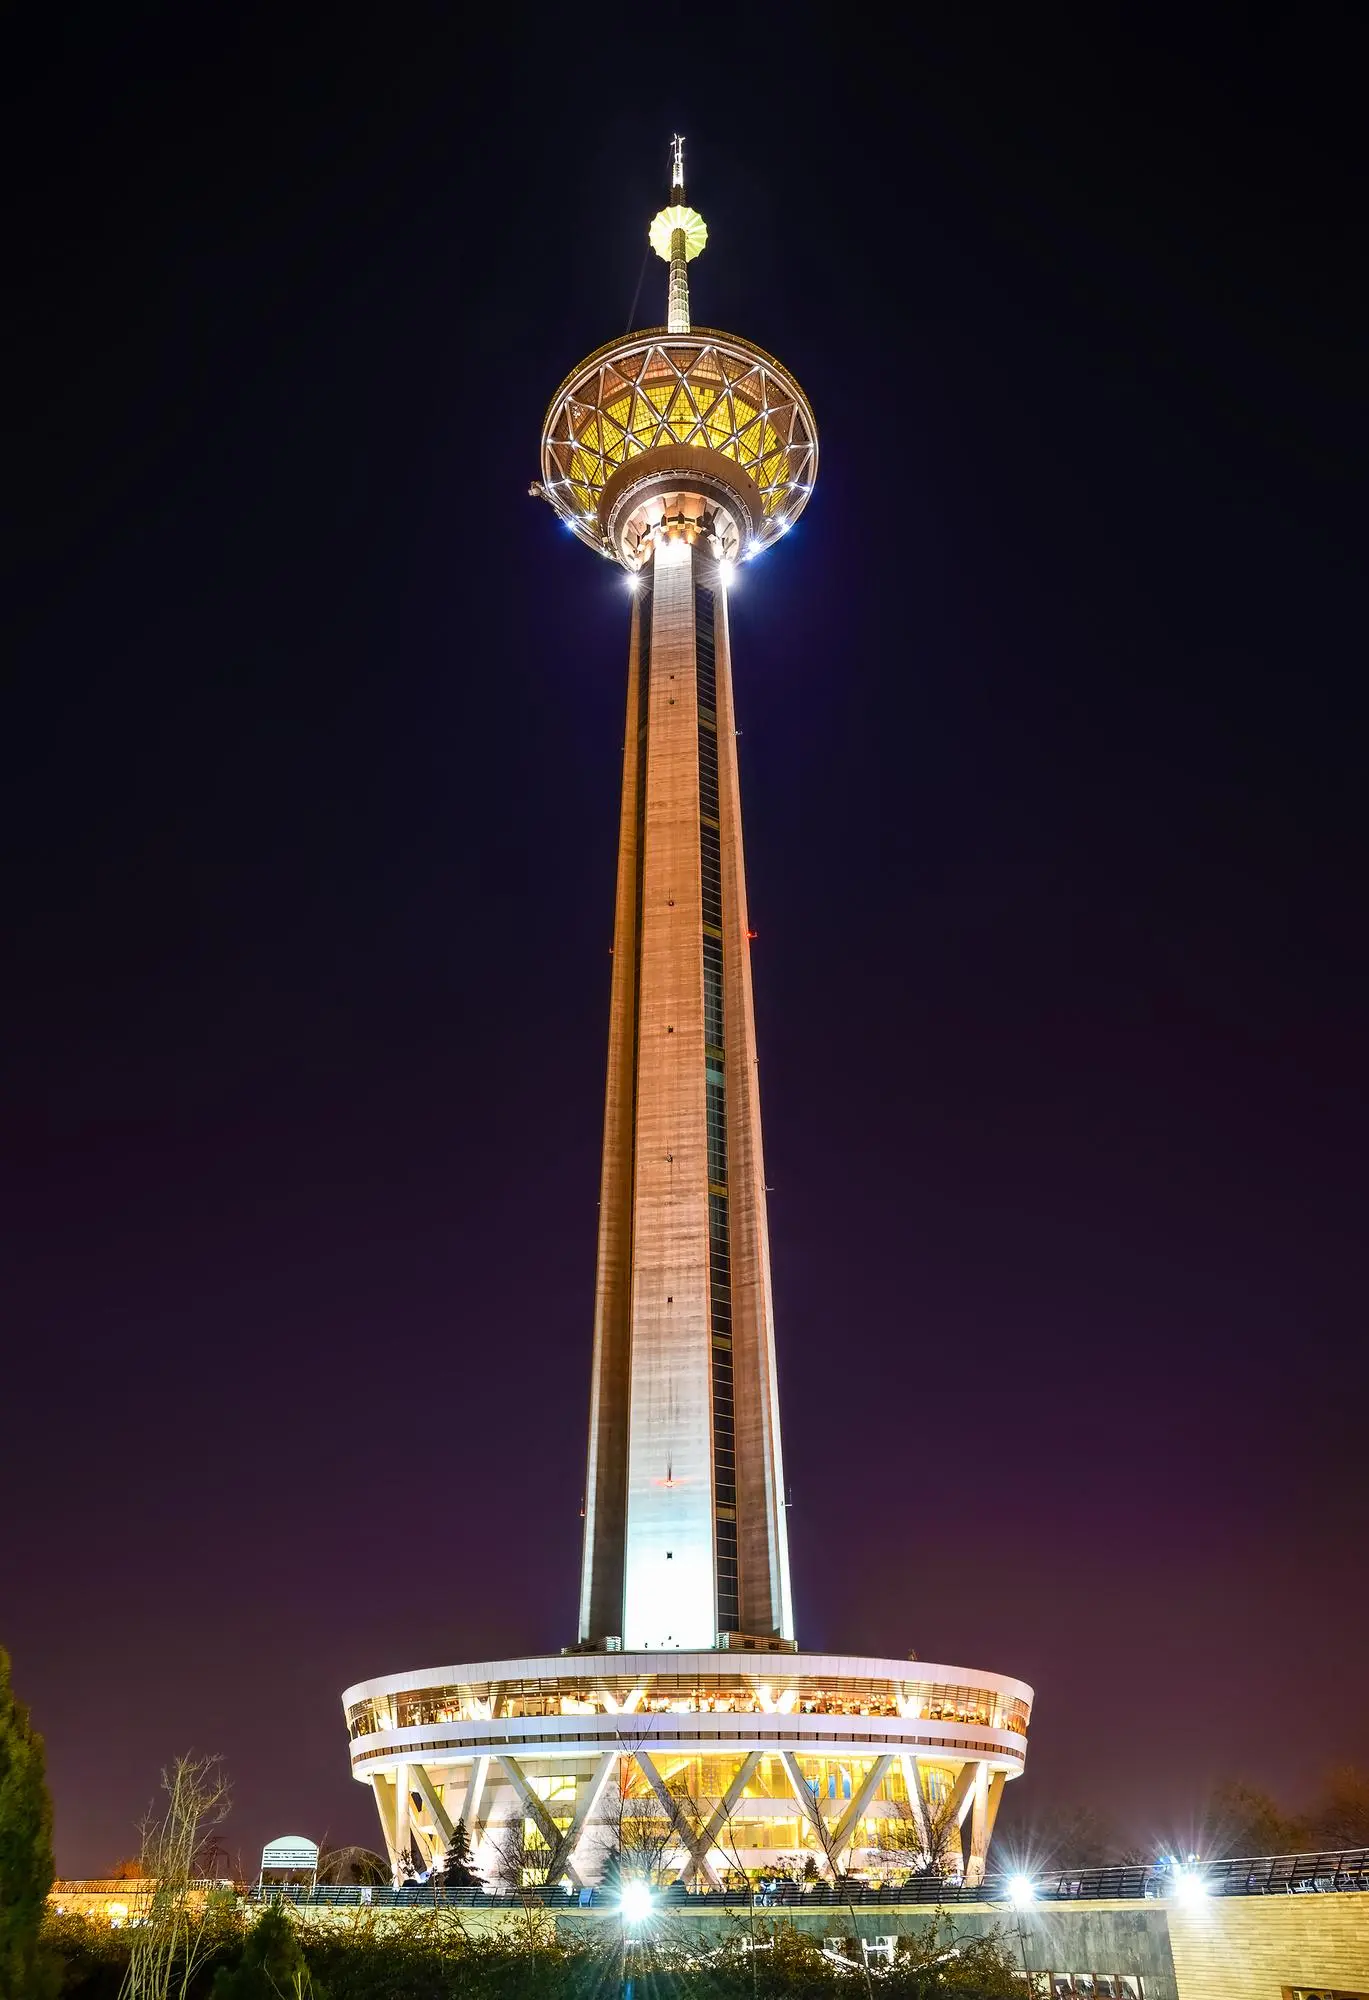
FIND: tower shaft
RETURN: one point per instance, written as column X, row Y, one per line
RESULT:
column 685, row 1540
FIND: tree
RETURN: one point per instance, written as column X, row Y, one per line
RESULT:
column 938, row 1960
column 1070, row 1836
column 456, row 1871
column 824, row 1833
column 1342, row 1817
column 644, row 1838
column 353, row 1865
column 26, row 1870
column 1243, row 1820
column 521, row 1863
column 183, row 1928
column 926, row 1847
column 272, row 1965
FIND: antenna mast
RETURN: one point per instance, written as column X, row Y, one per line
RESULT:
column 678, row 234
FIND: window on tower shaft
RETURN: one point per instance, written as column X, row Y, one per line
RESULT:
column 708, row 769
column 642, row 611
column 713, row 993
column 715, row 1080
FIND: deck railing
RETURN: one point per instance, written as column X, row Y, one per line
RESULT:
column 1332, row 1872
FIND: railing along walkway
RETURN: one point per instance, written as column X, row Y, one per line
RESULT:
column 1263, row 1875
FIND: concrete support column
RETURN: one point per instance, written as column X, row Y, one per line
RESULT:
column 475, row 1796
column 996, row 1784
column 383, row 1792
column 402, row 1816
column 979, row 1826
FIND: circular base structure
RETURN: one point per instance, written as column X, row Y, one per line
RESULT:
column 690, row 1766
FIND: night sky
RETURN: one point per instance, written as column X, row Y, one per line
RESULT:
column 1053, row 773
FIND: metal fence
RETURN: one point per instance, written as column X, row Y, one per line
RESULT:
column 1263, row 1875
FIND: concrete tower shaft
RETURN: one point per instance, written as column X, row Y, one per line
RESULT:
column 685, row 1542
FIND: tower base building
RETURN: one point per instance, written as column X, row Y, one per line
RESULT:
column 694, row 1767
column 684, row 1736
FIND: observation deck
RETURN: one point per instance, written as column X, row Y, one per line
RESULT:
column 698, row 411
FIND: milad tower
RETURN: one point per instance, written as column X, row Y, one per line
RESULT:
column 685, row 1722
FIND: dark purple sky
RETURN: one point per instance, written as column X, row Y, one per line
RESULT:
column 1054, row 783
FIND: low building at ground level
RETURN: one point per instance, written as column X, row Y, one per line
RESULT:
column 118, row 1900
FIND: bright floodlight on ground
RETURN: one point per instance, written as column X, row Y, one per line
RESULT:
column 635, row 1902
column 1189, row 1886
column 1021, row 1892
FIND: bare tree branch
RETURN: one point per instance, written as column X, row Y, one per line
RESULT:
column 180, row 1843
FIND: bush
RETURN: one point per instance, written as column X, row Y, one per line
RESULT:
column 437, row 1960
column 432, row 1957
column 90, row 1958
column 272, row 1966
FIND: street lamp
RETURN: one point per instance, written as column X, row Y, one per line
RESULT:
column 1022, row 1896
column 634, row 1909
column 1189, row 1885
column 635, row 1903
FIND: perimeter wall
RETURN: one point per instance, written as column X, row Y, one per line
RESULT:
column 1226, row 1948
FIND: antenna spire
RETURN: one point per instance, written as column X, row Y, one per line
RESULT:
column 678, row 234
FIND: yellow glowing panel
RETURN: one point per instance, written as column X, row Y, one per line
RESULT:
column 677, row 216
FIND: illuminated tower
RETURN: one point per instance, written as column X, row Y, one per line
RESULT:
column 680, row 454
